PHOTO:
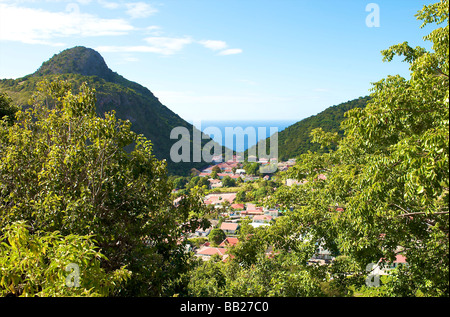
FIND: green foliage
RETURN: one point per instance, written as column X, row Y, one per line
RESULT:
column 214, row 175
column 63, row 168
column 7, row 108
column 297, row 139
column 129, row 100
column 227, row 181
column 241, row 196
column 386, row 186
column 375, row 187
column 206, row 279
column 35, row 264
column 251, row 168
column 273, row 277
column 277, row 276
column 216, row 236
column 180, row 182
column 198, row 181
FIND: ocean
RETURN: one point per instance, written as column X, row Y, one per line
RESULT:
column 252, row 130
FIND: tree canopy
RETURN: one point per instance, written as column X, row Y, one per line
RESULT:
column 64, row 169
column 386, row 187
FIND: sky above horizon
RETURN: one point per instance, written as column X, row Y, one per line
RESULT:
column 222, row 60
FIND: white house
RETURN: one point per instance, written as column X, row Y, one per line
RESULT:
column 261, row 220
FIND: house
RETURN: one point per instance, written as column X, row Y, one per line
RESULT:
column 230, row 174
column 215, row 183
column 252, row 213
column 217, row 199
column 261, row 220
column 229, row 228
column 206, row 252
column 250, row 206
column 322, row 254
column 238, row 206
column 229, row 241
column 272, row 212
column 202, row 232
column 384, row 268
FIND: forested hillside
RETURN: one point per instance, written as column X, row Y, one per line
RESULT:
column 129, row 100
column 296, row 139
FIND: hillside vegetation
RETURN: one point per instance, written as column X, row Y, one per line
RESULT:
column 129, row 100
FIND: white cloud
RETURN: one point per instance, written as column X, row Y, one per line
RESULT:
column 231, row 51
column 168, row 45
column 139, row 10
column 130, row 59
column 37, row 26
column 153, row 29
column 159, row 45
column 214, row 45
column 84, row 1
column 109, row 4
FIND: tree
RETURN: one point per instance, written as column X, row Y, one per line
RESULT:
column 252, row 168
column 179, row 182
column 62, row 168
column 216, row 236
column 386, row 186
column 7, row 109
column 214, row 175
column 39, row 265
column 241, row 196
column 227, row 181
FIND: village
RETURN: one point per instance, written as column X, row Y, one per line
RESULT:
column 231, row 213
column 223, row 233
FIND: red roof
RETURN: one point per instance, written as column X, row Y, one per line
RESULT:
column 238, row 206
column 211, row 198
column 212, row 251
column 229, row 226
column 252, row 212
column 400, row 258
column 262, row 217
column 229, row 241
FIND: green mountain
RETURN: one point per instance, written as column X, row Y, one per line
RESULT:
column 296, row 140
column 130, row 100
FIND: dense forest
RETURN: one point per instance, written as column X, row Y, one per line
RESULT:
column 296, row 139
column 86, row 208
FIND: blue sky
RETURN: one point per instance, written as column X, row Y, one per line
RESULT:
column 217, row 59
